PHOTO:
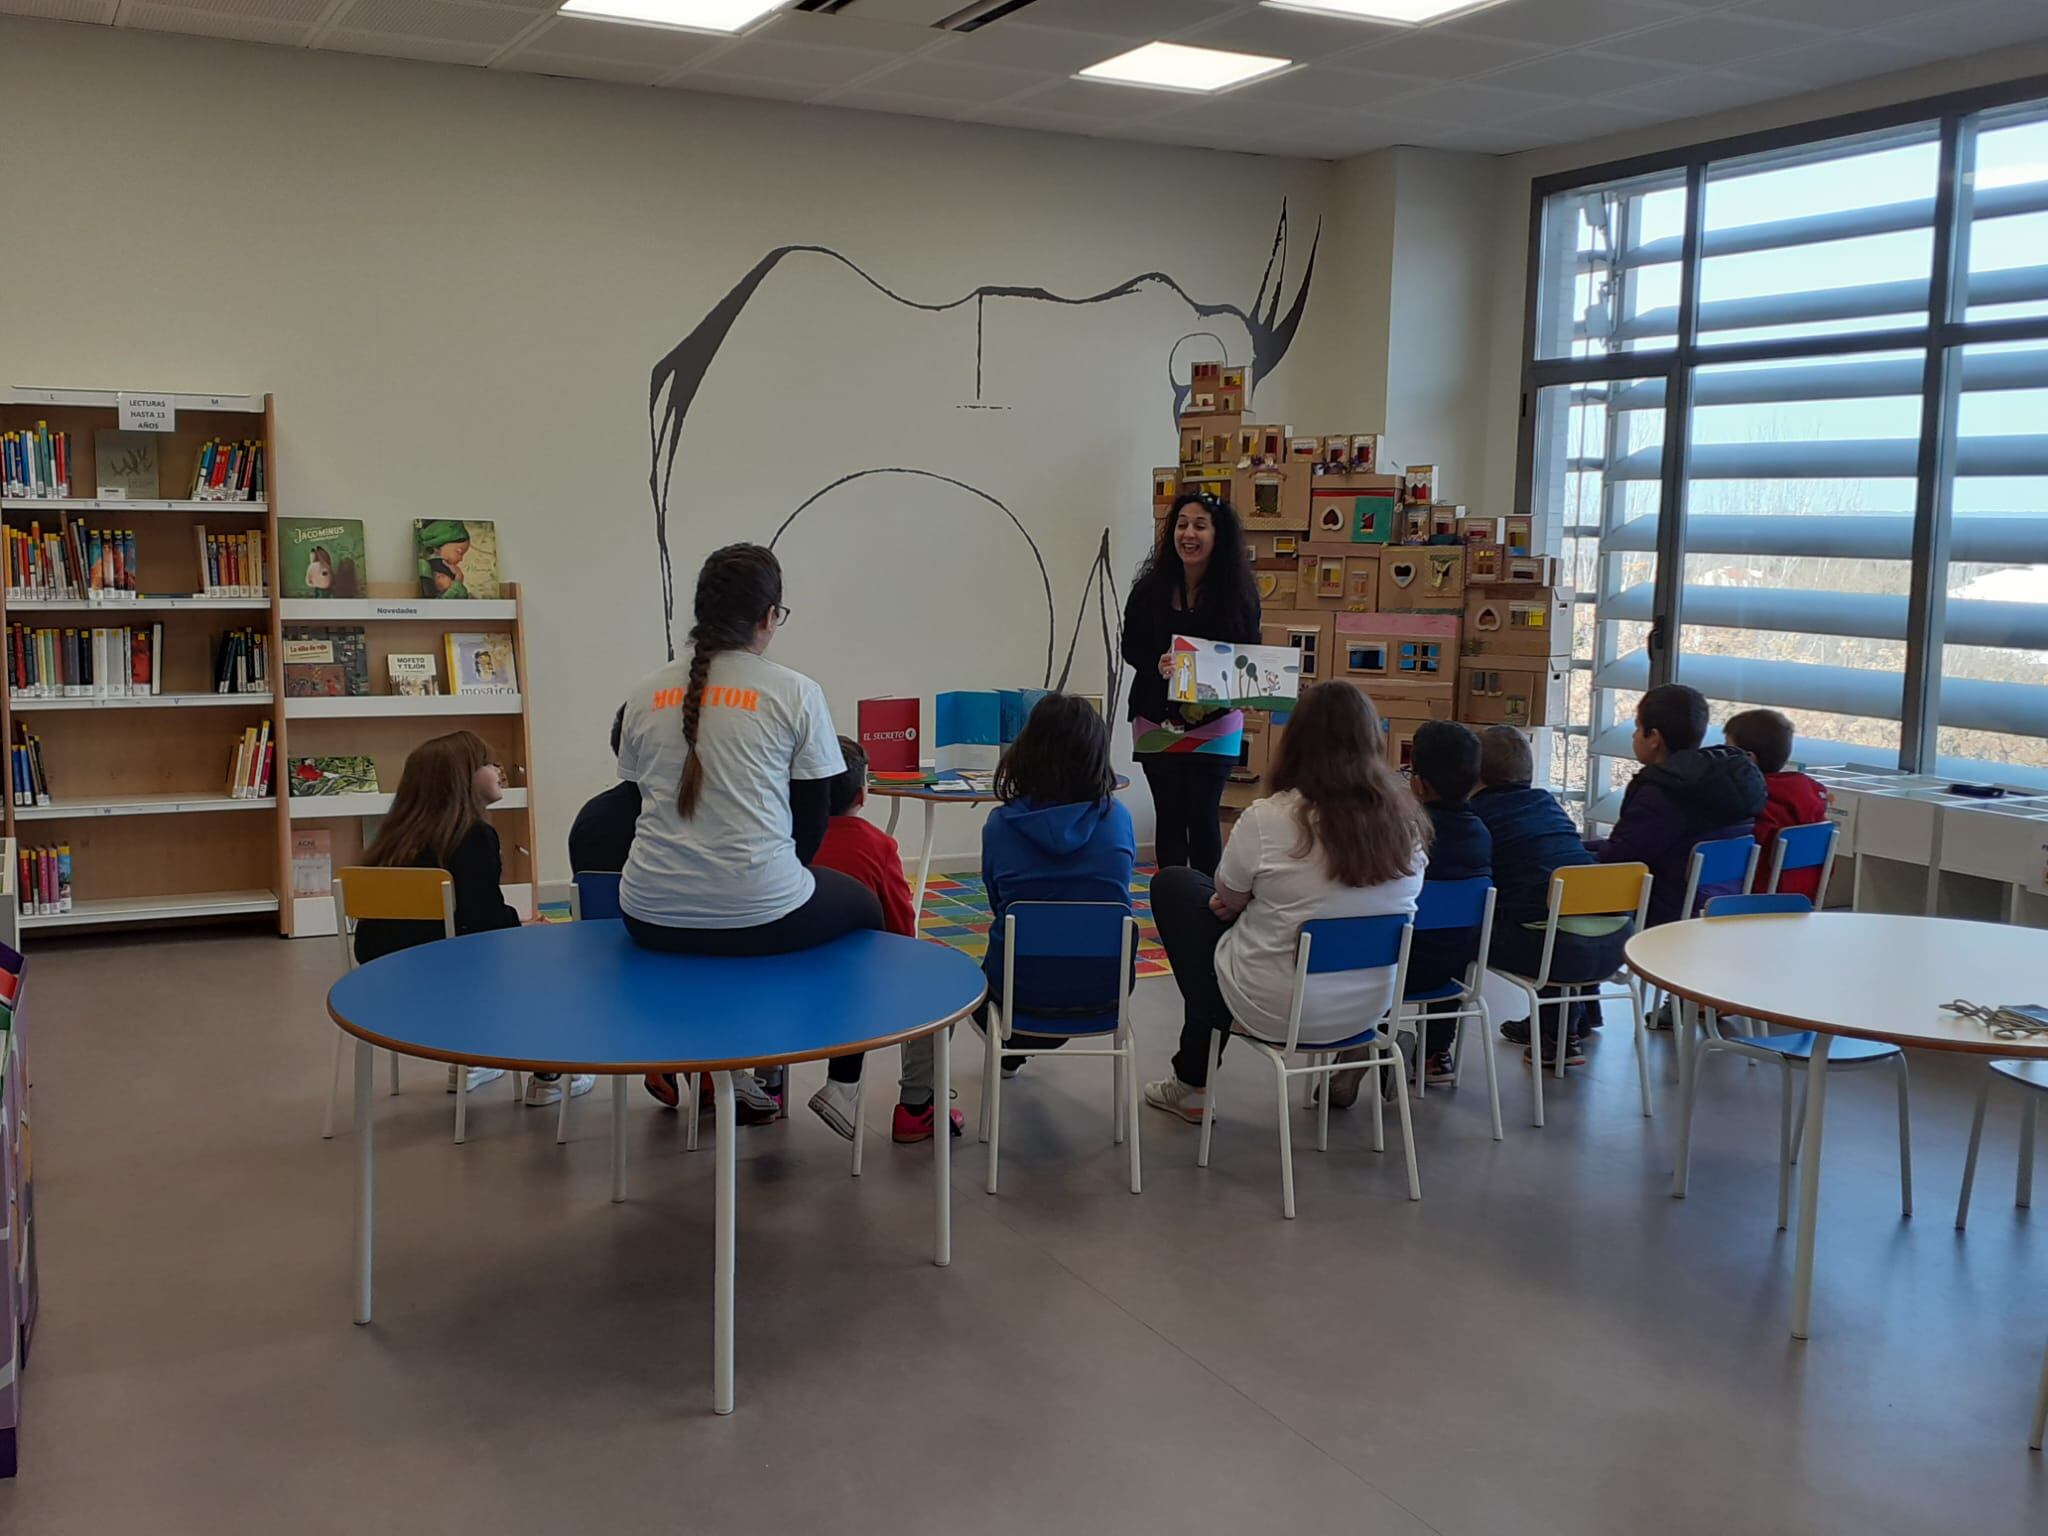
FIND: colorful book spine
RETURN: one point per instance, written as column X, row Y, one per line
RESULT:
column 227, row 471
column 35, row 463
column 43, row 877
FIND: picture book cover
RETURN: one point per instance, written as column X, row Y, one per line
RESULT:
column 311, row 671
column 312, row 862
column 968, row 724
column 320, row 557
column 457, row 557
column 887, row 731
column 124, row 466
column 1240, row 676
column 332, row 776
column 414, row 676
column 481, row 664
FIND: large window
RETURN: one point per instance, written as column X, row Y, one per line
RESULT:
column 1785, row 420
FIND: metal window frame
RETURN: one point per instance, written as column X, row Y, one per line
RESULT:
column 1947, row 330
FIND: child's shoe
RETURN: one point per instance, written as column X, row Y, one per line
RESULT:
column 913, row 1125
column 1440, row 1071
column 835, row 1104
column 478, row 1076
column 1178, row 1098
column 543, row 1088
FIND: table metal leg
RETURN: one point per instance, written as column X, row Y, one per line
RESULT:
column 895, row 811
column 924, row 863
column 1809, row 1185
column 619, row 1137
column 366, row 1071
column 942, row 1135
column 721, row 1353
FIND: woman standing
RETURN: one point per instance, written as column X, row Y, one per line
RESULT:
column 1198, row 582
column 734, row 756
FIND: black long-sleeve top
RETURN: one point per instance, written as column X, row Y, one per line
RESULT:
column 1151, row 620
column 474, row 868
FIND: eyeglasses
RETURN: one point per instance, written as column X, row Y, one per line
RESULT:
column 781, row 615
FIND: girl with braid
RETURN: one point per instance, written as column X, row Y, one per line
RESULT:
column 735, row 757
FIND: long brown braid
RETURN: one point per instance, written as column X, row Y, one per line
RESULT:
column 735, row 589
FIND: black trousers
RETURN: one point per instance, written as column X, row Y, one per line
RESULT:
column 1577, row 958
column 1189, row 933
column 1187, row 794
column 839, row 906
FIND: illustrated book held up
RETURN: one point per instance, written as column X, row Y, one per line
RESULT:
column 332, row 776
column 320, row 557
column 456, row 557
column 481, row 664
column 1234, row 676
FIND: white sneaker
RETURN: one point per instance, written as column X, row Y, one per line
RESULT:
column 748, row 1089
column 478, row 1076
column 547, row 1089
column 835, row 1104
column 1177, row 1098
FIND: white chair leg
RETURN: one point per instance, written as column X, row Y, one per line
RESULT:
column 1376, row 1081
column 691, row 1107
column 1635, row 993
column 1286, row 1143
column 568, row 1082
column 1970, row 1158
column 1117, row 1065
column 392, row 1057
column 992, row 1090
column 2023, row 1193
column 1798, row 1127
column 1536, row 1060
column 1131, row 1108
column 2040, row 1408
column 1323, row 1107
column 1905, row 1140
column 1487, row 1051
column 990, row 1065
column 461, row 1103
column 942, row 1117
column 1209, row 1106
column 1407, row 1124
column 1681, row 1165
column 1787, row 1139
column 333, row 1086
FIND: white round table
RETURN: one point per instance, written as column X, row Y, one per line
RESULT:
column 1862, row 974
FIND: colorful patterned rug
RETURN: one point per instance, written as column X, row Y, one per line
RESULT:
column 956, row 914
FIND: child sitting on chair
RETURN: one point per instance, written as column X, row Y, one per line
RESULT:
column 1059, row 834
column 857, row 848
column 1791, row 799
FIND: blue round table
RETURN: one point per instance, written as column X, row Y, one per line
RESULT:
column 583, row 997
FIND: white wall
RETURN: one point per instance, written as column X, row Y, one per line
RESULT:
column 456, row 282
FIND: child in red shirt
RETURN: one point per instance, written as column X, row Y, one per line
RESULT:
column 1792, row 799
column 857, row 847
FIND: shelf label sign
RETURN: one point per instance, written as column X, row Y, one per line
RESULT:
column 147, row 413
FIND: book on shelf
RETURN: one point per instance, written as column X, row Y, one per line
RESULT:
column 229, row 471
column 111, row 662
column 72, row 563
column 414, row 676
column 230, row 564
column 320, row 557
column 249, row 767
column 31, row 782
column 320, row 776
column 124, row 466
column 330, row 662
column 457, row 557
column 481, row 664
column 241, row 662
column 312, row 862
column 35, row 463
column 43, row 876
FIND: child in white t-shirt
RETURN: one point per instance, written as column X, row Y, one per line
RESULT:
column 1340, row 837
column 734, row 756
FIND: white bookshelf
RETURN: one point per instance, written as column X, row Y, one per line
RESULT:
column 143, row 605
column 393, row 705
column 335, row 807
column 156, row 909
column 146, row 701
column 141, row 805
column 357, row 610
column 92, row 504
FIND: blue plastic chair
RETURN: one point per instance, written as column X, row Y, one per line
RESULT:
column 1787, row 1050
column 1328, row 945
column 1717, row 863
column 1087, row 938
column 1811, row 846
column 1446, row 906
column 594, row 897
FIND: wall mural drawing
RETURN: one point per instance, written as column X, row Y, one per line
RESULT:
column 677, row 378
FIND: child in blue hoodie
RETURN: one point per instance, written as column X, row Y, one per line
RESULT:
column 1059, row 835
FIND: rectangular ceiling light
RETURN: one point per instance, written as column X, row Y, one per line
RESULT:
column 1394, row 13
column 1176, row 67
column 680, row 15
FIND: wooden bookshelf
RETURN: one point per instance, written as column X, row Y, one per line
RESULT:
column 129, row 789
column 386, row 726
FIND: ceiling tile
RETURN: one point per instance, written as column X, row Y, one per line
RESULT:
column 580, row 66
column 1127, row 18
column 391, row 46
column 63, row 10
column 1579, row 74
column 1340, row 90
column 1563, row 23
column 1705, row 41
column 1242, row 119
column 1026, row 117
column 579, row 37
column 1292, row 34
column 848, row 31
column 902, row 106
column 1092, row 99
column 1833, row 61
column 305, row 12
column 820, row 68
column 1693, row 95
column 740, row 85
column 1355, row 134
column 1578, row 120
column 1846, row 15
column 1484, row 141
column 1480, row 105
column 1972, row 28
column 1015, row 46
column 437, row 19
column 943, row 80
column 249, row 29
column 1433, row 54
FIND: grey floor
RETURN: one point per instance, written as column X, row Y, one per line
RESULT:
column 1547, row 1343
